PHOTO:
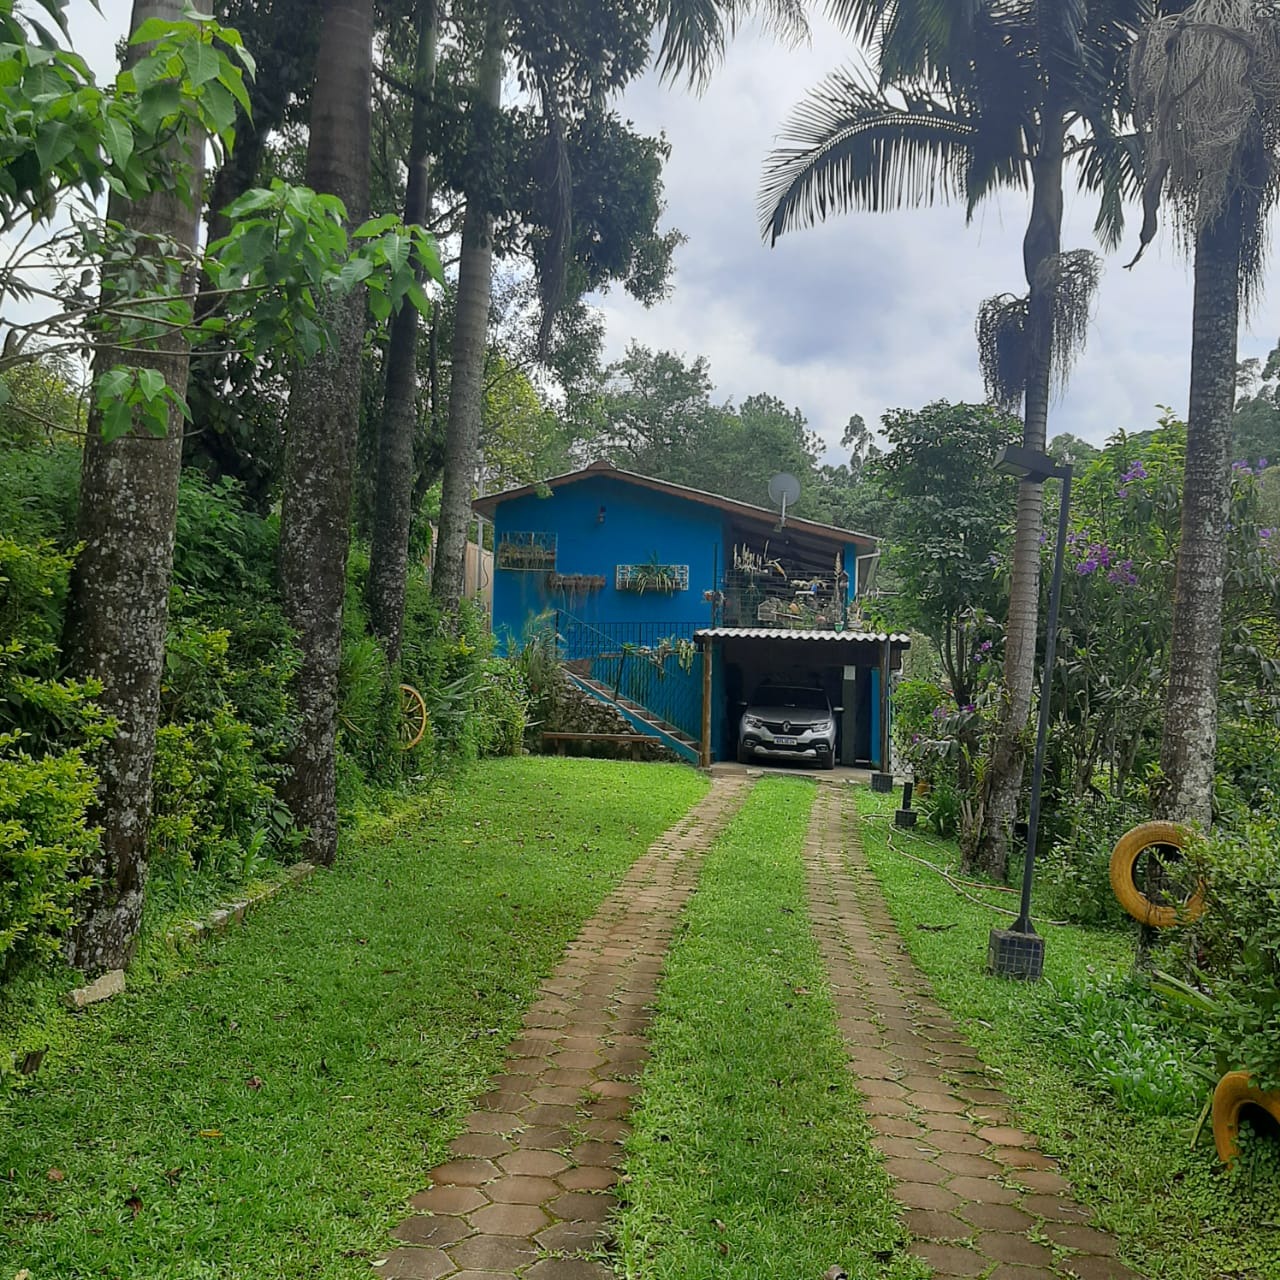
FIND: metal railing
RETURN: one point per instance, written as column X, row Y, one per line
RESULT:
column 640, row 661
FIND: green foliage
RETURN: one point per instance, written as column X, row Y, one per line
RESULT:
column 37, row 402
column 1123, row 1044
column 1232, row 953
column 1073, row 872
column 336, row 1044
column 948, row 512
column 47, row 725
column 749, row 1156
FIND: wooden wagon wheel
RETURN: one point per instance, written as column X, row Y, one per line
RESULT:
column 1124, row 858
column 413, row 717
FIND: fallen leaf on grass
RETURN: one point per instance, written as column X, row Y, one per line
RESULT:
column 211, row 1133
column 253, row 1082
column 835, row 1273
column 55, row 1175
column 722, row 1248
column 134, row 1202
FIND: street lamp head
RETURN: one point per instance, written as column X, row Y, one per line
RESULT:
column 1029, row 464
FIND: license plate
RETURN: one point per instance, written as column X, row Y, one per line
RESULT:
column 785, row 742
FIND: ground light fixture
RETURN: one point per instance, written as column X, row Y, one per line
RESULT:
column 1019, row 952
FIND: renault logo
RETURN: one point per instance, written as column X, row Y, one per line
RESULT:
column 786, row 726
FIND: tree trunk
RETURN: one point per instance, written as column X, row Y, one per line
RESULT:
column 1002, row 781
column 470, row 344
column 324, row 411
column 393, row 485
column 1191, row 695
column 118, row 608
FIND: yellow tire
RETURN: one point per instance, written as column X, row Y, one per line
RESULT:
column 1234, row 1091
column 413, row 717
column 1124, row 858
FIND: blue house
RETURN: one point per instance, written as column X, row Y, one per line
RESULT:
column 675, row 604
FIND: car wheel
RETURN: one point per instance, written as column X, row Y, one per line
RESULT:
column 830, row 760
column 744, row 756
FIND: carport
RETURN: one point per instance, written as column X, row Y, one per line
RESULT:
column 850, row 666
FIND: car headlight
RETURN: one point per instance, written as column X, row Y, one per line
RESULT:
column 821, row 726
column 753, row 722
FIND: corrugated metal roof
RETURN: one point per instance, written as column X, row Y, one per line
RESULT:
column 787, row 633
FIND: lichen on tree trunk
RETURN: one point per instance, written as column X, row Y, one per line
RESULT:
column 324, row 410
column 1190, row 731
column 118, row 606
column 470, row 342
column 393, row 488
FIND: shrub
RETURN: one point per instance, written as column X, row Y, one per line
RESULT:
column 1230, row 957
column 1073, row 875
column 1122, row 1041
column 46, row 783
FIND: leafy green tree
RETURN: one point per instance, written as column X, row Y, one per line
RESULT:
column 1208, row 90
column 971, row 98
column 1255, row 429
column 947, row 512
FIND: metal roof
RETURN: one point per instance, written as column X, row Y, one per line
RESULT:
column 788, row 633
column 487, row 505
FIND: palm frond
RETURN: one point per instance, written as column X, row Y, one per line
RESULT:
column 1111, row 166
column 910, row 37
column 847, row 146
column 696, row 32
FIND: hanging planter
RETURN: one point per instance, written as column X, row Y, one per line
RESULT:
column 575, row 583
column 653, row 577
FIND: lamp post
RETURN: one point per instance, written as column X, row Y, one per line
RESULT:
column 1019, row 952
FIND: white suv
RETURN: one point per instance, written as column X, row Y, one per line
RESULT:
column 785, row 721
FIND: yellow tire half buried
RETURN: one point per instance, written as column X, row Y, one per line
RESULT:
column 413, row 717
column 1236, row 1090
column 1124, row 858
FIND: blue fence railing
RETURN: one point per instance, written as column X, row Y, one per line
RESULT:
column 651, row 663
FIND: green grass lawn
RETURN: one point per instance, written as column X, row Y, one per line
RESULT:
column 266, row 1112
column 1177, row 1214
column 750, row 1156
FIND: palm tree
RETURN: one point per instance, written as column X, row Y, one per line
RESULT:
column 324, row 408
column 393, row 487
column 971, row 98
column 1207, row 88
column 118, row 608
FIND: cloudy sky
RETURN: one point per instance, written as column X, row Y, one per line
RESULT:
column 870, row 311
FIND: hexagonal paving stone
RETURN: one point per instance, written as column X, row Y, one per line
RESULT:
column 951, row 1259
column 1085, row 1239
column 537, row 1164
column 921, row 1195
column 982, row 1190
column 449, row 1200
column 1003, row 1136
column 1085, row 1267
column 1055, row 1209
column 464, row 1173
column 416, row 1264
column 914, row 1169
column 934, row 1224
column 427, row 1228
column 483, row 1146
column 997, row 1217
column 509, row 1219
column 1021, row 1158
column 972, row 1166
column 494, row 1253
column 587, row 1177
column 582, row 1206
column 522, row 1189
column 1001, row 1246
column 568, row 1269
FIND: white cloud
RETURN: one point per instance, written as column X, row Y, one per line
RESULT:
column 875, row 311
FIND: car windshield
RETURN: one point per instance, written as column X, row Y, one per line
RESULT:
column 777, row 695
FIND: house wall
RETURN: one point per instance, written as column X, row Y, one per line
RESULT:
column 638, row 526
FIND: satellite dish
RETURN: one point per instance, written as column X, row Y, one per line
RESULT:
column 784, row 489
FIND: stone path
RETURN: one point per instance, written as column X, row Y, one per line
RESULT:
column 979, row 1198
column 528, row 1192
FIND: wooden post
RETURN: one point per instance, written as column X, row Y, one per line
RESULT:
column 885, row 662
column 705, row 755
